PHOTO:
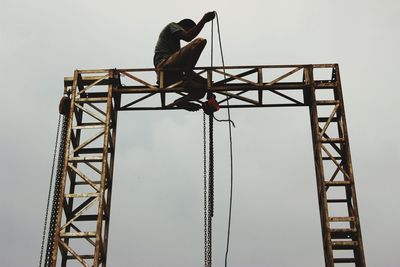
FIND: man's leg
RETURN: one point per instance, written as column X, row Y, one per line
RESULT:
column 187, row 57
column 170, row 76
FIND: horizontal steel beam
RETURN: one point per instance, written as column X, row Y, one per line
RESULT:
column 274, row 85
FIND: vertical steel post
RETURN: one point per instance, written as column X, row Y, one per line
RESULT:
column 319, row 167
column 351, row 196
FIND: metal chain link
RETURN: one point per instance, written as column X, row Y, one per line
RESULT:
column 206, row 247
column 211, row 165
column 208, row 191
column 210, row 188
column 50, row 190
column 56, row 194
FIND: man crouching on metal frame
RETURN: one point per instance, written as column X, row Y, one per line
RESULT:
column 168, row 54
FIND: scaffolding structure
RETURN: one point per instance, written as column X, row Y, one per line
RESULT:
column 84, row 200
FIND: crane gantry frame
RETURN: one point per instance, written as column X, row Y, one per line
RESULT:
column 83, row 196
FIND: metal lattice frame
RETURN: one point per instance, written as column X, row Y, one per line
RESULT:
column 97, row 96
column 83, row 217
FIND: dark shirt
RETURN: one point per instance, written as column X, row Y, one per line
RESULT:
column 167, row 43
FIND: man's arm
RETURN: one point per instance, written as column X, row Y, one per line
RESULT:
column 193, row 32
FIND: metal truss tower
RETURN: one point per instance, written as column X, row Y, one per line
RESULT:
column 84, row 202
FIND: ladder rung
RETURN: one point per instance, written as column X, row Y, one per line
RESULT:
column 82, row 256
column 343, row 233
column 332, row 140
column 86, row 218
column 337, row 183
column 89, row 126
column 344, row 260
column 327, row 102
column 324, row 84
column 344, row 245
column 92, row 150
column 337, row 200
column 325, row 119
column 81, row 195
column 341, row 219
column 328, row 158
column 78, row 234
column 88, row 80
column 91, row 100
column 86, row 159
column 86, row 183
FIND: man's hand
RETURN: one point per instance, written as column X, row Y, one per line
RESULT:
column 209, row 16
column 193, row 32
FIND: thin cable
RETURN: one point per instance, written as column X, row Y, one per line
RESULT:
column 230, row 121
column 50, row 189
column 230, row 150
column 212, row 43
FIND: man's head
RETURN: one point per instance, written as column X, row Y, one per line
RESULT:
column 187, row 24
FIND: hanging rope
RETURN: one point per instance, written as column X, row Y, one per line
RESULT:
column 231, row 123
column 209, row 207
column 230, row 148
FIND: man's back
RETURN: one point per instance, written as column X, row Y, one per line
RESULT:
column 168, row 43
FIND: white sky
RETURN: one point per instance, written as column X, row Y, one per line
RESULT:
column 157, row 196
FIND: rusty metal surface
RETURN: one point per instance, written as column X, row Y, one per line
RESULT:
column 98, row 95
column 86, row 186
column 338, row 212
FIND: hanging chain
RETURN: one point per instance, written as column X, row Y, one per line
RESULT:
column 210, row 189
column 206, row 247
column 211, row 167
column 209, row 207
column 50, row 189
column 56, row 194
column 205, row 192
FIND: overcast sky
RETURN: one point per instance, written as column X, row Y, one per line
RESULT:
column 157, row 195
